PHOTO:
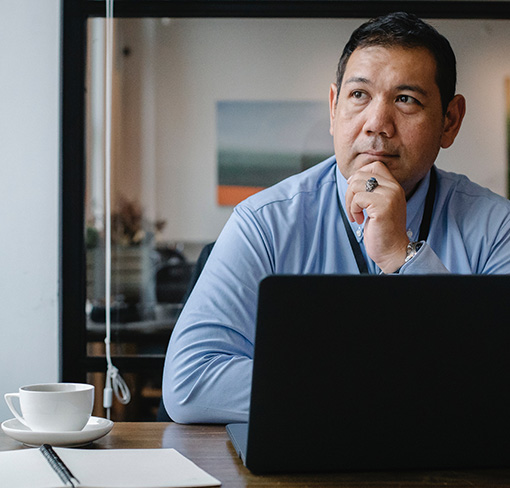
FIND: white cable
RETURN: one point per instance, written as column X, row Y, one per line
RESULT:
column 113, row 377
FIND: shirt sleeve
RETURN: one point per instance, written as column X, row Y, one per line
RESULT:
column 483, row 247
column 425, row 261
column 492, row 255
column 207, row 374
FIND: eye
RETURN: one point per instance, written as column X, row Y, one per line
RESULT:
column 408, row 100
column 408, row 104
column 404, row 99
column 358, row 95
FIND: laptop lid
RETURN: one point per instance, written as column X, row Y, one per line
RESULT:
column 380, row 372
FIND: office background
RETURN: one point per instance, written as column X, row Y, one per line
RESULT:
column 178, row 70
column 29, row 160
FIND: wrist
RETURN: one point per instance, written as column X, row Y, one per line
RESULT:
column 411, row 250
column 396, row 260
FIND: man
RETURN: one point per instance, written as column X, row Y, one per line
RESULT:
column 378, row 206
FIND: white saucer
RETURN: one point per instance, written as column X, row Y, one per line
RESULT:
column 95, row 429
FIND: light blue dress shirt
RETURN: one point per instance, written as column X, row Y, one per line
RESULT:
column 295, row 227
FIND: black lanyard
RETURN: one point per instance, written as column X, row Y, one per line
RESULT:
column 424, row 226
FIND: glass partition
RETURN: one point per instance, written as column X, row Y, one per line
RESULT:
column 206, row 112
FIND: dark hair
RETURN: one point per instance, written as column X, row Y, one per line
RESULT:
column 405, row 30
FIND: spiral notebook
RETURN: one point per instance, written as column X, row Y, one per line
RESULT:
column 101, row 468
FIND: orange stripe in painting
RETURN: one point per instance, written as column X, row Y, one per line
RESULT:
column 232, row 194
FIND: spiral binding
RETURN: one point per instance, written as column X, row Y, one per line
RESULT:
column 58, row 465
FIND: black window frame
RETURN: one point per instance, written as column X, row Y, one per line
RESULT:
column 74, row 362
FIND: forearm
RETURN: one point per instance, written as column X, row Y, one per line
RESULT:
column 207, row 376
column 204, row 383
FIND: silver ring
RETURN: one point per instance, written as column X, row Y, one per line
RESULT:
column 371, row 184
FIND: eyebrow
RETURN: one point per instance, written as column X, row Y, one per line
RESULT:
column 412, row 88
column 404, row 87
column 358, row 79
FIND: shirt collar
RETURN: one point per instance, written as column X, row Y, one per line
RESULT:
column 415, row 206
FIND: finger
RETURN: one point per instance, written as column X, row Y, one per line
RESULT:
column 358, row 181
column 349, row 195
column 377, row 169
column 356, row 184
column 360, row 202
column 356, row 211
column 357, row 187
column 365, row 204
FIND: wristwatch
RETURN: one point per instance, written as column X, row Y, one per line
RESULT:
column 412, row 250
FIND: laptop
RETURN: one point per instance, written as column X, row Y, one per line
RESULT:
column 378, row 373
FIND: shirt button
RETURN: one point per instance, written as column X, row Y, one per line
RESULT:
column 359, row 232
column 409, row 233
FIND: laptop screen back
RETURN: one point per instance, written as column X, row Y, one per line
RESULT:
column 380, row 372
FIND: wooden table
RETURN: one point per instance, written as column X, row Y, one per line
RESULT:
column 210, row 448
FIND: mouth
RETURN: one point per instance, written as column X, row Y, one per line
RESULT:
column 379, row 155
column 388, row 159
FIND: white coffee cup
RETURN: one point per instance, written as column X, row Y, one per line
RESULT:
column 53, row 407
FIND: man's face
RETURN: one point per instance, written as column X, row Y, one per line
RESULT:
column 388, row 110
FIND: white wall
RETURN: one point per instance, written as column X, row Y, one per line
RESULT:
column 29, row 162
column 200, row 61
column 482, row 48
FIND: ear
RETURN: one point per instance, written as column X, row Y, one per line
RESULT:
column 453, row 120
column 332, row 106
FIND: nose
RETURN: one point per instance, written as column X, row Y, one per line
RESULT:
column 379, row 119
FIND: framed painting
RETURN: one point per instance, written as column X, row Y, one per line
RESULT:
column 260, row 143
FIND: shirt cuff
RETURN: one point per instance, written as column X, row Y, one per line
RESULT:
column 425, row 261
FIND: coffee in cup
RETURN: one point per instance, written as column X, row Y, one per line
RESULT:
column 53, row 407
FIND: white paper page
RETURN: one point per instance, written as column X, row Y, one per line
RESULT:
column 26, row 468
column 134, row 468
